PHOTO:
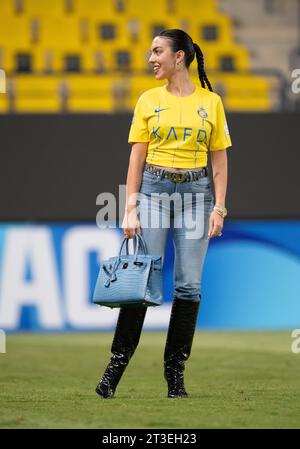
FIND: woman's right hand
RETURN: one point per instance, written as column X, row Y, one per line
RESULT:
column 131, row 224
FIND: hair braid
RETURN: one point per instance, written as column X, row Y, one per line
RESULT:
column 202, row 75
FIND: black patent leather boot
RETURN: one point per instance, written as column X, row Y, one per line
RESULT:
column 178, row 345
column 127, row 335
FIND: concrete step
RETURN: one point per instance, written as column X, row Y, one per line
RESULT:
column 261, row 34
column 285, row 12
column 271, row 57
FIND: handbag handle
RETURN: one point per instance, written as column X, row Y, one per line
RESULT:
column 111, row 276
column 139, row 242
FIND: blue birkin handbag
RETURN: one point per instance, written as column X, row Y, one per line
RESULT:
column 130, row 279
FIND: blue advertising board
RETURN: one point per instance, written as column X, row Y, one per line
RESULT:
column 48, row 271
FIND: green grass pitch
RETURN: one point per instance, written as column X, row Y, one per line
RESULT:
column 234, row 380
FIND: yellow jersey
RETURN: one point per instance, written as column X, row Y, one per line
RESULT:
column 180, row 130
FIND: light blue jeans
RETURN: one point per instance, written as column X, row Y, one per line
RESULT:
column 187, row 214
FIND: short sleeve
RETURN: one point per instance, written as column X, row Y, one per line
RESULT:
column 220, row 137
column 139, row 126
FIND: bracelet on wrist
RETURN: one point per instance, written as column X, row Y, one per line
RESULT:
column 222, row 211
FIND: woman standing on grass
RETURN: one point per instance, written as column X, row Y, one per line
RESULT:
column 173, row 128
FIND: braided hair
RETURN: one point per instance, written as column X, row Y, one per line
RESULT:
column 202, row 75
column 180, row 40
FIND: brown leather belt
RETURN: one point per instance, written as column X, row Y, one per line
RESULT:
column 187, row 176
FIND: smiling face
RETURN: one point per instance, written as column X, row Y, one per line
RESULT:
column 163, row 59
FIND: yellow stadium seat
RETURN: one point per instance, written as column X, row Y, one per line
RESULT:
column 120, row 28
column 14, row 32
column 7, row 60
column 95, row 9
column 155, row 10
column 241, row 55
column 90, row 93
column 47, row 58
column 243, row 91
column 251, row 103
column 196, row 9
column 7, row 7
column 223, row 30
column 10, row 59
column 148, row 30
column 60, row 32
column 107, row 55
column 43, row 7
column 93, row 56
column 43, row 58
column 92, row 59
column 140, row 58
column 36, row 94
column 214, row 54
column 77, row 33
column 247, row 92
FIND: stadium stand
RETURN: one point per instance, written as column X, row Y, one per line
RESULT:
column 92, row 55
column 269, row 29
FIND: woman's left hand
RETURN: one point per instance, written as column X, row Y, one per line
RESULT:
column 215, row 225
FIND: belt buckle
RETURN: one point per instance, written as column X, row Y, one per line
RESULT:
column 180, row 177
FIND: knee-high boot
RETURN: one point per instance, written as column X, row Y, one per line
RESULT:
column 127, row 335
column 178, row 344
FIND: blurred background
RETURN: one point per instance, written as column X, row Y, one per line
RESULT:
column 71, row 73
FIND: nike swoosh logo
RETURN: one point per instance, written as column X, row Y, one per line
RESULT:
column 159, row 110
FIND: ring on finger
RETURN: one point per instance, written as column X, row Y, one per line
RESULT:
column 216, row 233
